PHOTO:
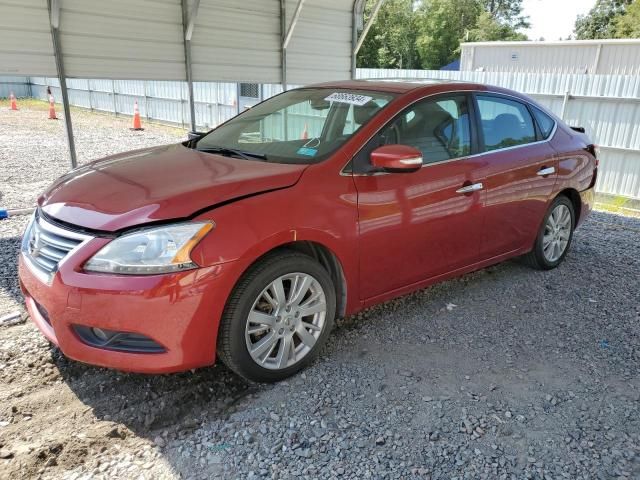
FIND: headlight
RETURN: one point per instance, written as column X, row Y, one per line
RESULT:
column 146, row 252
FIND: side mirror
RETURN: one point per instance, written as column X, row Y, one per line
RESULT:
column 195, row 135
column 397, row 158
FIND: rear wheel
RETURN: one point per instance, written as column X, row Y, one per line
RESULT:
column 555, row 235
column 277, row 318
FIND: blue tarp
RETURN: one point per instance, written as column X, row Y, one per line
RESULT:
column 454, row 66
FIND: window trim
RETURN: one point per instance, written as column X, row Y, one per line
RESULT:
column 474, row 130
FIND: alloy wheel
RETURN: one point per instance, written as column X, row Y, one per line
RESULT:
column 285, row 321
column 557, row 233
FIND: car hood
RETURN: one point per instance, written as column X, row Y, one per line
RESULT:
column 160, row 183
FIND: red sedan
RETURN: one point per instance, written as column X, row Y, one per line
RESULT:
column 247, row 242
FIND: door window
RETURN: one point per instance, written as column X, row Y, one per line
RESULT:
column 439, row 128
column 505, row 123
column 545, row 122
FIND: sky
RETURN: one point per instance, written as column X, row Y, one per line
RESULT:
column 554, row 19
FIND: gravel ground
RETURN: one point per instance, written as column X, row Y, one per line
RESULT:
column 34, row 152
column 507, row 373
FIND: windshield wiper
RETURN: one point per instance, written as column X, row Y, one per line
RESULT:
column 233, row 151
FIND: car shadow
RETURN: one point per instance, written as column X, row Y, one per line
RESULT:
column 9, row 286
column 148, row 404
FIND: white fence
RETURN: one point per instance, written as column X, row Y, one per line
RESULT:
column 159, row 101
column 608, row 106
column 19, row 86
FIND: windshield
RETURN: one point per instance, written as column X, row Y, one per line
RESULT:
column 299, row 126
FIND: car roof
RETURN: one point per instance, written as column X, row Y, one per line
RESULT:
column 403, row 85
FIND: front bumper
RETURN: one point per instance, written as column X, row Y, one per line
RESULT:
column 180, row 311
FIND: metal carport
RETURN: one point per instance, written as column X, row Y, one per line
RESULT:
column 262, row 41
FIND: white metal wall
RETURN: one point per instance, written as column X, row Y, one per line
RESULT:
column 162, row 101
column 18, row 85
column 604, row 57
column 608, row 106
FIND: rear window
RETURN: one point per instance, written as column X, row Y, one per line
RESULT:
column 545, row 122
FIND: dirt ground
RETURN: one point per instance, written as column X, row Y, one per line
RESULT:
column 504, row 373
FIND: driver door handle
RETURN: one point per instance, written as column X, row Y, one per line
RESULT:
column 470, row 188
column 543, row 172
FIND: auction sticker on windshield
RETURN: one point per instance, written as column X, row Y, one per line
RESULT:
column 350, row 98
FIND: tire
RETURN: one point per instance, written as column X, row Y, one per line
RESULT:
column 540, row 257
column 256, row 294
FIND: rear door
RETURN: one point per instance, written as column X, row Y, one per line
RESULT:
column 520, row 173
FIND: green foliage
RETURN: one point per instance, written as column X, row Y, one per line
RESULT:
column 391, row 40
column 488, row 29
column 508, row 12
column 601, row 20
column 443, row 23
column 628, row 25
column 427, row 33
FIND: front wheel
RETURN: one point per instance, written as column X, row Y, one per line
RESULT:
column 555, row 235
column 277, row 318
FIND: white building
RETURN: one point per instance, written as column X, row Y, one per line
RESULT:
column 602, row 57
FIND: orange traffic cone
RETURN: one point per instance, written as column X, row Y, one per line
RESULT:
column 137, row 124
column 305, row 133
column 14, row 105
column 52, row 109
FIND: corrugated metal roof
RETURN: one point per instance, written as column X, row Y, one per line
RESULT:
column 144, row 39
column 25, row 38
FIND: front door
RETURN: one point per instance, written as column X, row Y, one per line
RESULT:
column 414, row 226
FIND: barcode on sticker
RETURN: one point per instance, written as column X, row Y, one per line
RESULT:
column 350, row 98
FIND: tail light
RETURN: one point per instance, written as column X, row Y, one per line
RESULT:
column 594, row 150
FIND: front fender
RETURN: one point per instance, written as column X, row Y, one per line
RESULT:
column 315, row 211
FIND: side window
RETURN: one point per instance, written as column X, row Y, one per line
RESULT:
column 505, row 123
column 439, row 128
column 545, row 122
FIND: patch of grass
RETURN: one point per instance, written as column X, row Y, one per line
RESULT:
column 29, row 103
column 41, row 105
column 618, row 204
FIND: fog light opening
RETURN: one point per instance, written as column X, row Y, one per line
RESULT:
column 101, row 334
column 117, row 340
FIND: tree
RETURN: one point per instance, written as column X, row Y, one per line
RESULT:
column 442, row 25
column 392, row 37
column 600, row 22
column 628, row 25
column 427, row 33
column 488, row 29
column 507, row 12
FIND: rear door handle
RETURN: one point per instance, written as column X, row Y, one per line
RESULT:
column 470, row 188
column 543, row 172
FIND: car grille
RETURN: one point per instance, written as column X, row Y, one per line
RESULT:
column 45, row 245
